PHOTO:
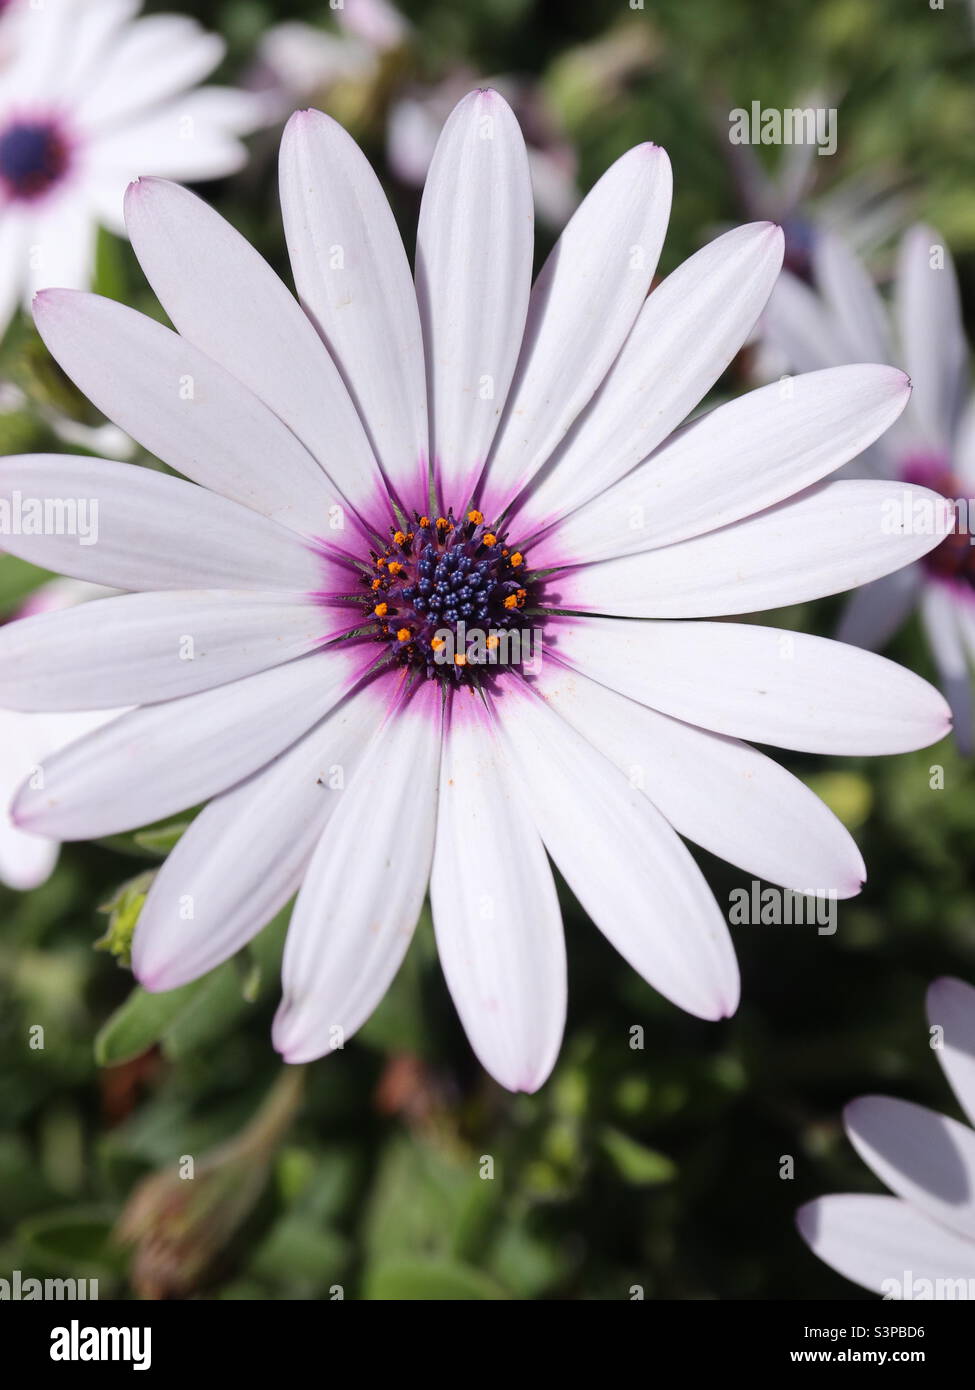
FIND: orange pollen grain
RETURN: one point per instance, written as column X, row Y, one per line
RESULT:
column 475, row 517
column 399, row 537
column 460, row 659
column 517, row 558
column 381, row 609
column 489, row 538
column 403, row 635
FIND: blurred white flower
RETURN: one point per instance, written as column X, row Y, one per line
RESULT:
column 867, row 210
column 844, row 319
column 298, row 63
column 919, row 1244
column 90, row 98
column 26, row 739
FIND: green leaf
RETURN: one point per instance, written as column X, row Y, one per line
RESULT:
column 123, row 910
column 399, row 1023
column 427, row 1280
column 78, row 1238
column 18, row 579
column 208, row 1015
column 141, row 1021
column 636, row 1164
column 295, row 1252
column 162, row 838
column 109, row 278
column 186, row 1019
column 419, row 1198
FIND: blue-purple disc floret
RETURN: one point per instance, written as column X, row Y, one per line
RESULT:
column 34, row 156
column 449, row 597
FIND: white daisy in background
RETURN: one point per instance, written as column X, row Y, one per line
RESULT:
column 298, row 63
column 920, row 1243
column 417, row 118
column 844, row 319
column 866, row 210
column 26, row 740
column 91, row 97
column 384, row 463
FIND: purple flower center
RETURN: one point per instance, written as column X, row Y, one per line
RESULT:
column 34, row 155
column 799, row 238
column 449, row 598
column 954, row 558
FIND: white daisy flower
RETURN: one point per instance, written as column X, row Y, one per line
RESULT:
column 396, row 494
column 919, row 1244
column 298, row 62
column 91, row 97
column 27, row 739
column 844, row 319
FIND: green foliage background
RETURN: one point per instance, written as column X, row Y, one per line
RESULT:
column 656, row 1167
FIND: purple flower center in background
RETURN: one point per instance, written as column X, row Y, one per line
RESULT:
column 800, row 235
column 954, row 558
column 34, row 155
column 449, row 598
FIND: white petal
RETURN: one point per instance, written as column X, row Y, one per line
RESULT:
column 798, row 326
column 926, row 1158
column 929, row 317
column 963, row 460
column 149, row 62
column 134, row 528
column 499, row 933
column 223, row 297
column 160, row 759
column 26, row 740
column 941, row 614
column 738, row 459
column 473, row 276
column 59, row 42
column 689, row 330
column 142, row 648
column 852, row 299
column 193, row 137
column 629, row 870
column 185, row 408
column 758, row 683
column 246, row 853
column 61, row 246
column 353, row 278
column 886, row 1245
column 722, row 794
column 951, row 1007
column 876, row 611
column 364, row 888
column 15, row 233
column 832, row 537
column 26, row 861
column 582, row 307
